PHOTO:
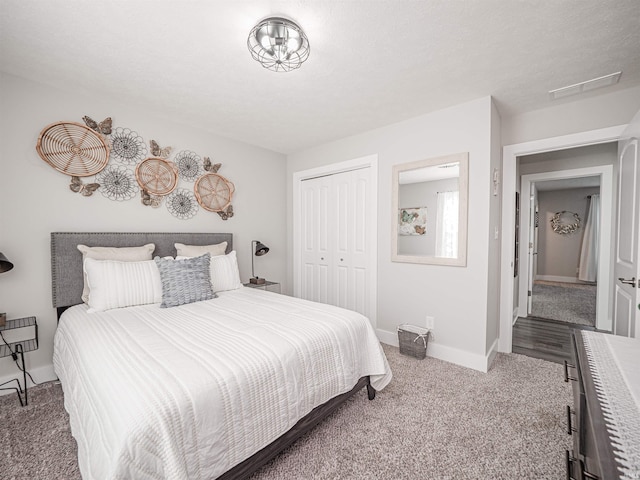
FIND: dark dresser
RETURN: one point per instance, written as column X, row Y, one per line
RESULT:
column 604, row 419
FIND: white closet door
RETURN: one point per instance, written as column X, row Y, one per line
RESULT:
column 336, row 211
column 351, row 258
column 316, row 256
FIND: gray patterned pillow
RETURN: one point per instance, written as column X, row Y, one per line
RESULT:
column 185, row 281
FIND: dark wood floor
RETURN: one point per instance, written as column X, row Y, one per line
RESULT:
column 544, row 338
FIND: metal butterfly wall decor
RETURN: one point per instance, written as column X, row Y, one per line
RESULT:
column 149, row 200
column 78, row 186
column 104, row 127
column 156, row 151
column 209, row 167
column 226, row 214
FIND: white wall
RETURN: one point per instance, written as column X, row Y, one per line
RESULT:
column 559, row 255
column 581, row 157
column 35, row 199
column 572, row 115
column 455, row 296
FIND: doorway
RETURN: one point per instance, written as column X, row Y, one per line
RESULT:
column 561, row 285
column 511, row 270
column 563, row 281
column 568, row 250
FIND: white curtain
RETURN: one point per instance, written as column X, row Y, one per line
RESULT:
column 588, row 267
column 447, row 225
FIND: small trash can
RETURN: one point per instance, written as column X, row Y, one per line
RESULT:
column 413, row 340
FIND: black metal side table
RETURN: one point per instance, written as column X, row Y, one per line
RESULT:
column 24, row 340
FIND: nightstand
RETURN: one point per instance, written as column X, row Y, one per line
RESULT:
column 20, row 335
column 267, row 285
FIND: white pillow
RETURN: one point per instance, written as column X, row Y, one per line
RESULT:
column 224, row 272
column 123, row 254
column 116, row 284
column 197, row 250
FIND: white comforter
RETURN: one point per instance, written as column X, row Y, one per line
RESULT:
column 191, row 391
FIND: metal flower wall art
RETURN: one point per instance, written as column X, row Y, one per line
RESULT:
column 188, row 165
column 117, row 183
column 127, row 146
column 182, row 204
column 123, row 167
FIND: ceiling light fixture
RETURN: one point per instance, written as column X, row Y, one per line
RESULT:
column 278, row 44
column 581, row 87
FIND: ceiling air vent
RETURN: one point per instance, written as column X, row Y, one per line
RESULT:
column 582, row 87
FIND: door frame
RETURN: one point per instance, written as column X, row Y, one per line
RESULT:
column 532, row 248
column 510, row 154
column 603, row 298
column 369, row 161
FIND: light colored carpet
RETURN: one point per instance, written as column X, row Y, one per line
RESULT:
column 568, row 302
column 435, row 420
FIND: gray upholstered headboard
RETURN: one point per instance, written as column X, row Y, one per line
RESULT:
column 66, row 259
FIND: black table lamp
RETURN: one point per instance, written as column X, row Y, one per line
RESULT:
column 6, row 265
column 260, row 249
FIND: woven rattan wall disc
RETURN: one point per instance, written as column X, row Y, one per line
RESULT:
column 157, row 176
column 73, row 149
column 213, row 192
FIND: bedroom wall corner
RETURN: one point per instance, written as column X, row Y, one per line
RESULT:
column 36, row 199
column 481, row 363
column 495, row 228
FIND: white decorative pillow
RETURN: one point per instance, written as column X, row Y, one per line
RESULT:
column 197, row 250
column 122, row 254
column 116, row 284
column 224, row 272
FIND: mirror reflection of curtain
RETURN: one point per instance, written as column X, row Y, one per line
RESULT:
column 447, row 225
column 588, row 266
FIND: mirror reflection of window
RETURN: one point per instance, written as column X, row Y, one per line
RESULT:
column 427, row 226
column 447, row 225
column 429, row 204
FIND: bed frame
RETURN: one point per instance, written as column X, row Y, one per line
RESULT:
column 67, row 284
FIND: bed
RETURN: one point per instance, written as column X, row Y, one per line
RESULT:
column 208, row 389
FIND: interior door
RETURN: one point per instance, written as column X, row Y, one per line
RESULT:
column 625, row 311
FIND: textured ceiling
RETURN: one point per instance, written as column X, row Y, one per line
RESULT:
column 372, row 63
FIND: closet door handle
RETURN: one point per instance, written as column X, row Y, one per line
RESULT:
column 570, row 428
column 631, row 282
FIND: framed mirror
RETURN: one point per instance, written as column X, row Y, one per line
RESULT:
column 429, row 211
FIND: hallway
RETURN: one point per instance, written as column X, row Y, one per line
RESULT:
column 544, row 338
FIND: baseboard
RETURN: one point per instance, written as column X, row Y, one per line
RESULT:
column 491, row 355
column 448, row 354
column 514, row 316
column 555, row 278
column 40, row 375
